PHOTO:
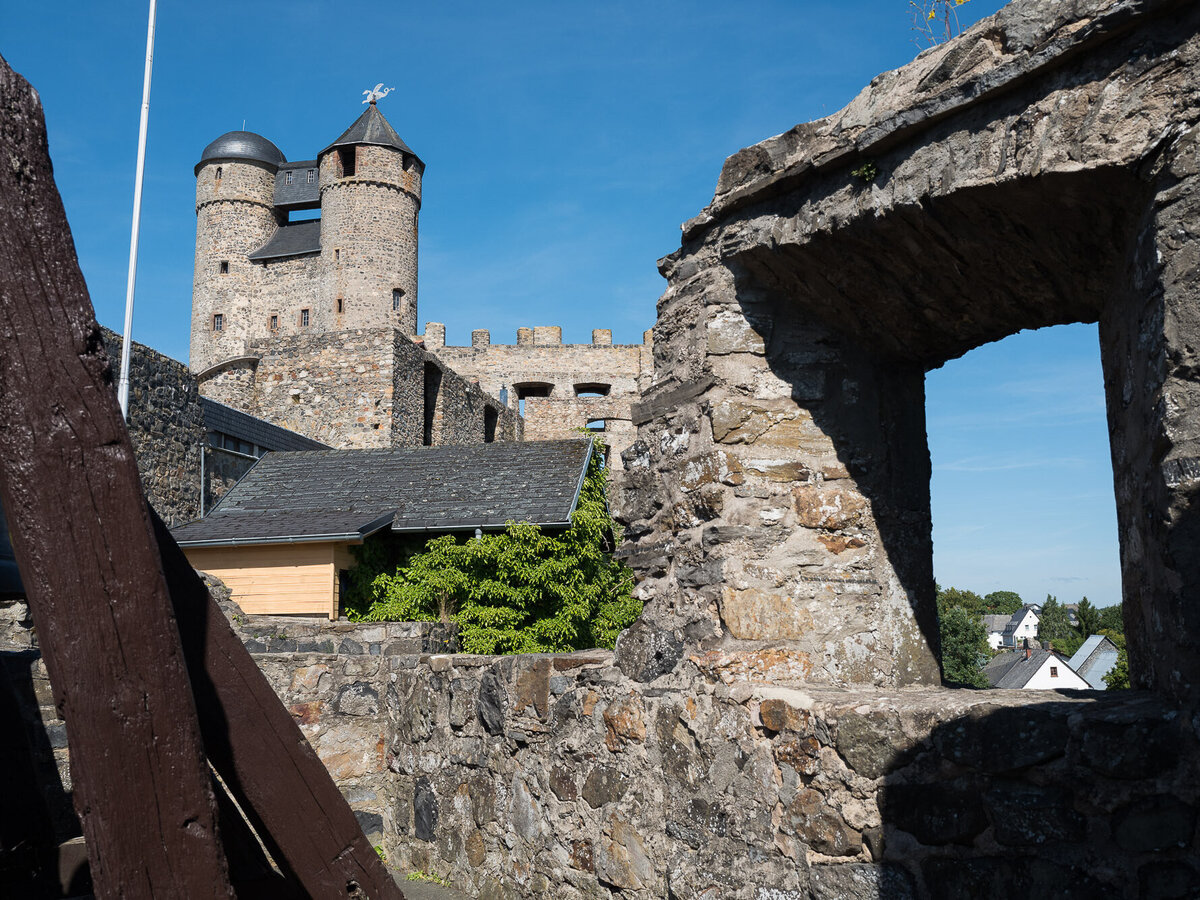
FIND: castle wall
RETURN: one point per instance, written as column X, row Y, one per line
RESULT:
column 556, row 775
column 541, row 357
column 357, row 389
column 166, row 426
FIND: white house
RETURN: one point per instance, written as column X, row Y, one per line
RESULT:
column 1032, row 670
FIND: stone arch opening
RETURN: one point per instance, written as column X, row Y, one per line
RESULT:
column 851, row 322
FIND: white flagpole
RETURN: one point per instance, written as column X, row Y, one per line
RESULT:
column 123, row 383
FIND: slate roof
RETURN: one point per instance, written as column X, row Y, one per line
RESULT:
column 371, row 128
column 242, row 145
column 996, row 623
column 328, row 495
column 234, row 422
column 295, row 239
column 1094, row 659
column 300, row 193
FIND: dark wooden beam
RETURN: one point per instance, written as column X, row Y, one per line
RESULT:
column 86, row 549
column 258, row 749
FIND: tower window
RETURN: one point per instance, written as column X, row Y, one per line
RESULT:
column 397, row 296
column 312, row 175
column 218, row 322
column 304, row 318
column 346, row 158
column 274, row 323
column 287, row 177
column 224, row 267
column 218, row 173
column 490, row 417
column 337, row 255
column 341, row 305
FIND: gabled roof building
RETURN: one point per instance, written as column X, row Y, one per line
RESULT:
column 1032, row 669
column 280, row 538
column 1094, row 659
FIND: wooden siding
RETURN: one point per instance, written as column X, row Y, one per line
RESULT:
column 278, row 579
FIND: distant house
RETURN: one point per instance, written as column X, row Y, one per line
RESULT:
column 995, row 626
column 280, row 539
column 1011, row 631
column 1095, row 659
column 1032, row 669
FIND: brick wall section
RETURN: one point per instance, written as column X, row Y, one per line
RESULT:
column 358, row 388
column 541, row 357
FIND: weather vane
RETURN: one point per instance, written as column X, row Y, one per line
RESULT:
column 376, row 93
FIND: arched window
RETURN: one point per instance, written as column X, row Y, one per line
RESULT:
column 592, row 389
column 218, row 173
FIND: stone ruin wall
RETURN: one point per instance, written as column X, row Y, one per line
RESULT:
column 540, row 356
column 356, row 389
column 779, row 488
column 561, row 776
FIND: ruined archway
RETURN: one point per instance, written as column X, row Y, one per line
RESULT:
column 1035, row 172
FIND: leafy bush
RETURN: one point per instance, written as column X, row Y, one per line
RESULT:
column 517, row 591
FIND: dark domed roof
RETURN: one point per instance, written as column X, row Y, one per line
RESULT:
column 242, row 145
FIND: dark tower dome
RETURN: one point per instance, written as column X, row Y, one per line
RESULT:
column 242, row 145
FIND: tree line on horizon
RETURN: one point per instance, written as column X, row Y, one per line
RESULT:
column 965, row 649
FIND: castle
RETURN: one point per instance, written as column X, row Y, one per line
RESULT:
column 311, row 323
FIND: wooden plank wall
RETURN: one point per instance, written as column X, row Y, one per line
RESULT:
column 276, row 579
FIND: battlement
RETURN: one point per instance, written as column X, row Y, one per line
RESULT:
column 537, row 336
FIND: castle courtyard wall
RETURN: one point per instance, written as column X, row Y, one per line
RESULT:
column 560, row 776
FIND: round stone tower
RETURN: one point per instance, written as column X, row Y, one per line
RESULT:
column 370, row 199
column 235, row 214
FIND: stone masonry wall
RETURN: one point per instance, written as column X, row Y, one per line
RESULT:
column 559, row 776
column 166, row 425
column 357, row 389
column 540, row 357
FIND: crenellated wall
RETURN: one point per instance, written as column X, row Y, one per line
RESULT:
column 541, row 361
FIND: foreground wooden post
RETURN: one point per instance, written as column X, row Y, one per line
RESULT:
column 86, row 549
column 103, row 575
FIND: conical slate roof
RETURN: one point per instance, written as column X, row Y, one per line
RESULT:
column 371, row 128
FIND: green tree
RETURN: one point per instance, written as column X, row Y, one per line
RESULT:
column 954, row 597
column 1089, row 619
column 1118, row 676
column 1111, row 619
column 1002, row 603
column 1054, row 626
column 964, row 647
column 519, row 591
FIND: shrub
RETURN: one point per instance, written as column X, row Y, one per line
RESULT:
column 517, row 591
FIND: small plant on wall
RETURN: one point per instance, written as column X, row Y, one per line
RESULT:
column 935, row 21
column 517, row 591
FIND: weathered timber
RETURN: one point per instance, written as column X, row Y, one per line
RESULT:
column 86, row 549
column 260, row 752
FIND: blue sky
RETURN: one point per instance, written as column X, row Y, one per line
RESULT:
column 564, row 144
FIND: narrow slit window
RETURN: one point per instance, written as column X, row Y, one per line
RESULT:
column 397, row 298
column 337, row 255
column 274, row 323
column 341, row 306
column 304, row 318
column 224, row 268
column 218, row 322
column 218, row 173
